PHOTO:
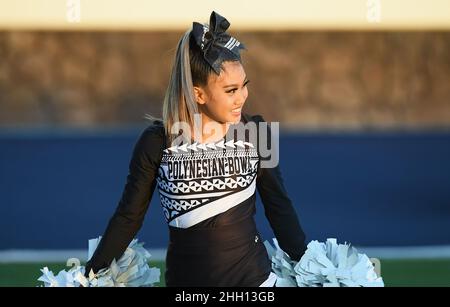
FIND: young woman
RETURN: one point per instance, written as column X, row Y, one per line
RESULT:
column 206, row 176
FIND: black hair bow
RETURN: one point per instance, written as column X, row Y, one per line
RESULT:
column 217, row 45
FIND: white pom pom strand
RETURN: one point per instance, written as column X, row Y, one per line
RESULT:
column 131, row 270
column 326, row 264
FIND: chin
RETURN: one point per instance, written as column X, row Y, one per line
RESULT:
column 230, row 119
column 235, row 119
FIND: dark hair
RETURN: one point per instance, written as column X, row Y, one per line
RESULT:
column 200, row 68
column 190, row 68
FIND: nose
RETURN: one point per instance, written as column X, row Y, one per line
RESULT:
column 241, row 98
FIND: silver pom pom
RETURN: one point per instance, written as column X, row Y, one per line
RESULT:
column 324, row 265
column 131, row 270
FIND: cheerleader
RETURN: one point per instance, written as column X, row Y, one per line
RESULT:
column 206, row 181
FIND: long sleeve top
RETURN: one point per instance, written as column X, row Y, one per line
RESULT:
column 200, row 185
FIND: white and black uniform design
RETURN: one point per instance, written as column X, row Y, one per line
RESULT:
column 208, row 196
column 199, row 181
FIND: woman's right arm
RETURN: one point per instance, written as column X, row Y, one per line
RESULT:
column 133, row 205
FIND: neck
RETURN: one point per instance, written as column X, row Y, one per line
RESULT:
column 211, row 130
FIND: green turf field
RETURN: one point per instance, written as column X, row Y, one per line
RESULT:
column 394, row 272
column 26, row 274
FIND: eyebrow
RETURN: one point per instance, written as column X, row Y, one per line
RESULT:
column 235, row 85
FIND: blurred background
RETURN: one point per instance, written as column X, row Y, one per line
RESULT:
column 361, row 90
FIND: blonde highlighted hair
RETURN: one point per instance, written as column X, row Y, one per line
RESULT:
column 189, row 69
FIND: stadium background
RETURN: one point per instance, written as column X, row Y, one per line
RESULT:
column 363, row 106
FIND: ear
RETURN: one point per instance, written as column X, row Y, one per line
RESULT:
column 200, row 95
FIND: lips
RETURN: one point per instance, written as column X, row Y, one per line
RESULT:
column 236, row 111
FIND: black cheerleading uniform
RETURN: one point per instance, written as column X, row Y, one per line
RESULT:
column 208, row 195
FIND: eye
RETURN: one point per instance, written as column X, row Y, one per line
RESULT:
column 232, row 91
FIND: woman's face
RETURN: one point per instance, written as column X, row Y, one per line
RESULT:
column 222, row 99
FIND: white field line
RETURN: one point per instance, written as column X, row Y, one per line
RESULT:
column 24, row 256
column 407, row 252
column 410, row 252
